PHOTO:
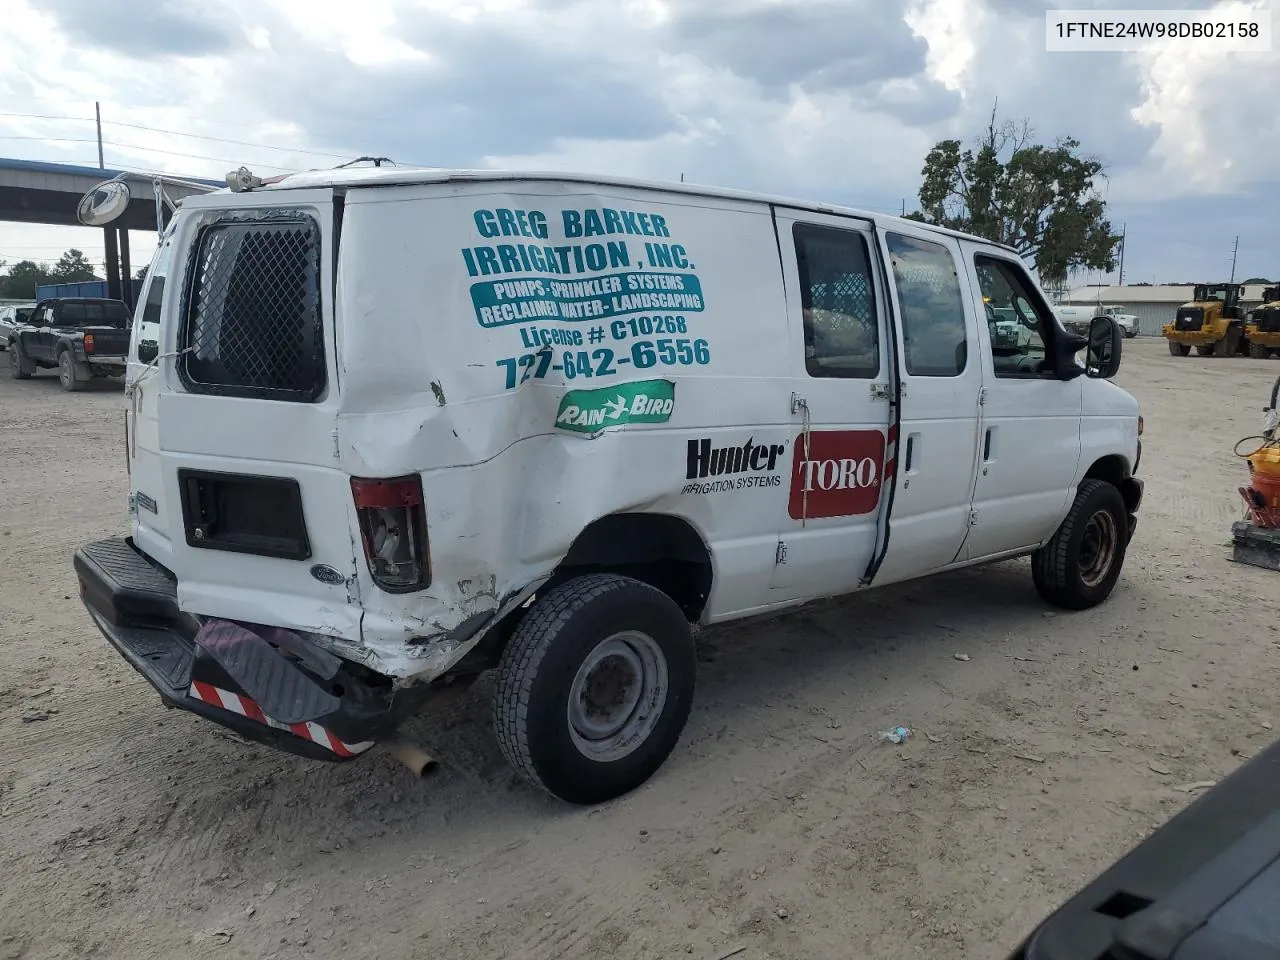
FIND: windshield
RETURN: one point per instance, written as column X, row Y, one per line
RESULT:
column 23, row 314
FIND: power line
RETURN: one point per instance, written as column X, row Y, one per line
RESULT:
column 172, row 133
column 240, row 143
column 134, row 146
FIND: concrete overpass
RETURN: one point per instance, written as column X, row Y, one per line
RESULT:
column 35, row 191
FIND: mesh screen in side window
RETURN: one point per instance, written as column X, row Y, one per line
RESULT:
column 253, row 325
column 933, row 324
column 841, row 330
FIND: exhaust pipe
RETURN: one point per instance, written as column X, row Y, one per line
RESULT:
column 421, row 763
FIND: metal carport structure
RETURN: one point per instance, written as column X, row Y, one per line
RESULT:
column 36, row 191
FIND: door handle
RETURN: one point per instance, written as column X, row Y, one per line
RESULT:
column 986, row 445
column 911, row 447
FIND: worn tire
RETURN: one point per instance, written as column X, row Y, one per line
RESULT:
column 1258, row 351
column 531, row 707
column 68, row 375
column 1061, row 568
column 21, row 367
column 1207, row 349
column 1179, row 349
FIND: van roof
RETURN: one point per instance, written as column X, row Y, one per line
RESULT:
column 403, row 176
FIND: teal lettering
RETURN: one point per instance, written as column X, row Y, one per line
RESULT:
column 659, row 225
column 595, row 256
column 470, row 261
column 488, row 261
column 629, row 219
column 613, row 222
column 618, row 255
column 507, row 221
column 536, row 258
column 572, row 223
column 485, row 223
column 591, row 225
column 538, row 224
column 644, row 224
column 510, row 259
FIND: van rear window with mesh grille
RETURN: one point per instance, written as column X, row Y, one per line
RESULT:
column 253, row 322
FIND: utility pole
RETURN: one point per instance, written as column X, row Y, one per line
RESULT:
column 1123, row 227
column 1234, row 250
column 97, row 116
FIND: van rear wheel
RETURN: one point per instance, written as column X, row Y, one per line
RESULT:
column 1078, row 567
column 594, row 688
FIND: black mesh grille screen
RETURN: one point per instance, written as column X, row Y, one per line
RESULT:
column 254, row 323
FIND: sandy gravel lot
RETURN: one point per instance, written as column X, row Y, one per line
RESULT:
column 779, row 825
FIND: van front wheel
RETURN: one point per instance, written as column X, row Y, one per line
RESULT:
column 595, row 687
column 1080, row 564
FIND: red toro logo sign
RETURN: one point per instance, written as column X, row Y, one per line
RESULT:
column 839, row 474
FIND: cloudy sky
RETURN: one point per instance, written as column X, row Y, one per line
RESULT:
column 836, row 100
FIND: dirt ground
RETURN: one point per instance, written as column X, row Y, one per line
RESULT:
column 780, row 825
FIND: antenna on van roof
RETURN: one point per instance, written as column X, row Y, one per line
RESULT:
column 376, row 161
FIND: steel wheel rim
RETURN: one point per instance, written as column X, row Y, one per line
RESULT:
column 617, row 696
column 65, row 371
column 1098, row 547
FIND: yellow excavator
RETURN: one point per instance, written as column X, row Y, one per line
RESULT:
column 1263, row 325
column 1212, row 323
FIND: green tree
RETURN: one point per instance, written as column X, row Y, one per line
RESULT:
column 1040, row 200
column 72, row 267
column 22, row 279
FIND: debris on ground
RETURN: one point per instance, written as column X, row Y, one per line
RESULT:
column 896, row 735
column 1159, row 767
column 962, row 657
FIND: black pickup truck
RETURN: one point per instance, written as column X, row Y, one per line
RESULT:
column 82, row 338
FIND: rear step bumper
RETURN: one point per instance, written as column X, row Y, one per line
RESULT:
column 233, row 674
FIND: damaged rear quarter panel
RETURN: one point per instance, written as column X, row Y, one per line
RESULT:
column 425, row 390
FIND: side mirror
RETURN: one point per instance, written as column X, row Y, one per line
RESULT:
column 1103, row 358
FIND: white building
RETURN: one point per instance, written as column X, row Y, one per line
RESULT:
column 1153, row 306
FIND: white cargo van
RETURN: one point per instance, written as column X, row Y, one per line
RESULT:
column 392, row 428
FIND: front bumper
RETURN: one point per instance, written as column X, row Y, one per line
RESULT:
column 267, row 684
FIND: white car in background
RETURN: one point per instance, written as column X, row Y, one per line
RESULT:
column 11, row 315
column 1076, row 318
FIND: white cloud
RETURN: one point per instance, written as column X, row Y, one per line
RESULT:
column 830, row 99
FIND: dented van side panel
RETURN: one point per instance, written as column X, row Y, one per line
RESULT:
column 546, row 356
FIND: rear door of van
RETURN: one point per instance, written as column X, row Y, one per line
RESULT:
column 236, row 486
column 840, row 362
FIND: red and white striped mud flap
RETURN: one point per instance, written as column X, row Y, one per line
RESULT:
column 239, row 703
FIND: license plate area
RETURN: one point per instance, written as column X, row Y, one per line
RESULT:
column 240, row 513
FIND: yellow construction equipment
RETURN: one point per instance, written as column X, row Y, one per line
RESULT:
column 1211, row 322
column 1263, row 325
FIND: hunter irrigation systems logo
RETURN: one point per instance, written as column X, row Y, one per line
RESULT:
column 748, row 465
column 590, row 411
column 837, row 473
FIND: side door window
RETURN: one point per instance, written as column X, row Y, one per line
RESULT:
column 841, row 330
column 933, row 324
column 1018, row 327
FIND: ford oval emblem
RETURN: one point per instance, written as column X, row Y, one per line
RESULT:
column 326, row 574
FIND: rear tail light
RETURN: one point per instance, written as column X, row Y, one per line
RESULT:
column 88, row 343
column 393, row 528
